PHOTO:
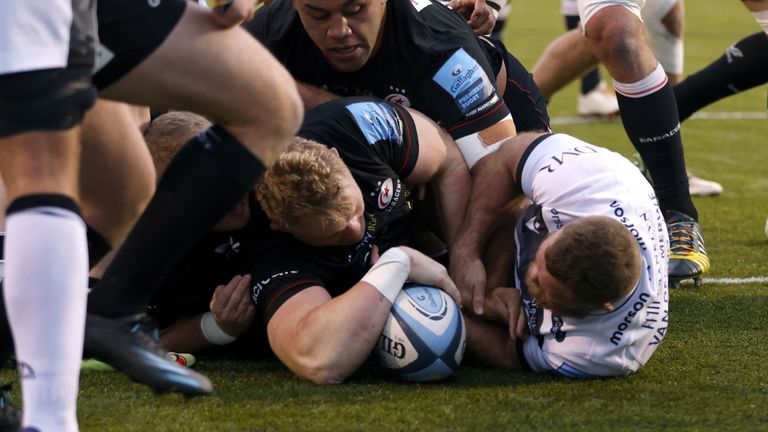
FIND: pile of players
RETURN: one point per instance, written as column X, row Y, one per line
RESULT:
column 344, row 148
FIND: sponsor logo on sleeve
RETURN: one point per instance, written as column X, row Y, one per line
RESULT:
column 261, row 284
column 377, row 122
column 465, row 80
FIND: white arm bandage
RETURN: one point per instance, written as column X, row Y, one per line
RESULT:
column 213, row 333
column 473, row 149
column 389, row 273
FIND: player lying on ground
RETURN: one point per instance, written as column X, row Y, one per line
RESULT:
column 590, row 263
column 325, row 212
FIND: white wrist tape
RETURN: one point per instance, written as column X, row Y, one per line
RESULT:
column 389, row 273
column 473, row 149
column 213, row 333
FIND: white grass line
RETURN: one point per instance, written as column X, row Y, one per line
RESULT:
column 703, row 115
column 736, row 115
column 731, row 281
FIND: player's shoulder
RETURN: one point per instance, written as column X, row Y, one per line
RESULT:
column 428, row 23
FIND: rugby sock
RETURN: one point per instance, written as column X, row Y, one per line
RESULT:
column 46, row 272
column 98, row 246
column 743, row 66
column 762, row 18
column 208, row 177
column 649, row 113
column 591, row 79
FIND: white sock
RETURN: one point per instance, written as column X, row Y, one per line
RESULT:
column 46, row 278
column 762, row 18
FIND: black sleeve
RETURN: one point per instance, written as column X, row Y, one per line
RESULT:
column 459, row 83
column 277, row 278
column 368, row 133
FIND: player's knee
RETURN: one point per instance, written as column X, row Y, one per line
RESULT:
column 51, row 99
column 618, row 43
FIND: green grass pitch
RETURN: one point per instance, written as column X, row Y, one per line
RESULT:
column 707, row 375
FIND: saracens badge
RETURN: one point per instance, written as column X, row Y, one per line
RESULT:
column 386, row 193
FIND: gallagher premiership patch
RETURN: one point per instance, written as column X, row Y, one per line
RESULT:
column 465, row 80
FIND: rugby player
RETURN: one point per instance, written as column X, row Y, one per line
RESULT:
column 45, row 77
column 338, row 194
column 649, row 114
column 569, row 56
column 415, row 53
column 590, row 263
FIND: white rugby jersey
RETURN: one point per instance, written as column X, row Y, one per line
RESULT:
column 567, row 179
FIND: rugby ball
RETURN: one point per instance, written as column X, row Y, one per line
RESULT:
column 424, row 336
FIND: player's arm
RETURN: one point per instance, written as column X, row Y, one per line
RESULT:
column 440, row 162
column 493, row 189
column 231, row 314
column 326, row 339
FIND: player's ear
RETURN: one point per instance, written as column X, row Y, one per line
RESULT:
column 274, row 226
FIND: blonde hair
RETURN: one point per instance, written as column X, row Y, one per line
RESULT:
column 169, row 132
column 307, row 179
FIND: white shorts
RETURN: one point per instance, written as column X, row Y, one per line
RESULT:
column 667, row 47
column 34, row 34
column 588, row 8
column 568, row 8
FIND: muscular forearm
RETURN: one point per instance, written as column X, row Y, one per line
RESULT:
column 453, row 184
column 331, row 341
column 492, row 190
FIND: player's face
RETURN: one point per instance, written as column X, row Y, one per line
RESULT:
column 316, row 232
column 548, row 291
column 346, row 31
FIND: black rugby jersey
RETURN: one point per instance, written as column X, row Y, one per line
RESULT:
column 378, row 143
column 428, row 59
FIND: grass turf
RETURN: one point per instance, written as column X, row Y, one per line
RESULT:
column 707, row 374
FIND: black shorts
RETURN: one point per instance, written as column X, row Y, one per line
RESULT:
column 129, row 31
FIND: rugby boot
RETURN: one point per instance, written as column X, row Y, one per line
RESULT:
column 697, row 186
column 599, row 103
column 131, row 344
column 10, row 416
column 687, row 257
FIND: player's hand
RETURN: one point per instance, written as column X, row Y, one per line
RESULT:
column 503, row 305
column 427, row 271
column 469, row 274
column 228, row 13
column 480, row 16
column 232, row 307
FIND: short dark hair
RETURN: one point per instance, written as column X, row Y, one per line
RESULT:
column 598, row 259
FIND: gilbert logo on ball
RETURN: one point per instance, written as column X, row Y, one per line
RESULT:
column 424, row 336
